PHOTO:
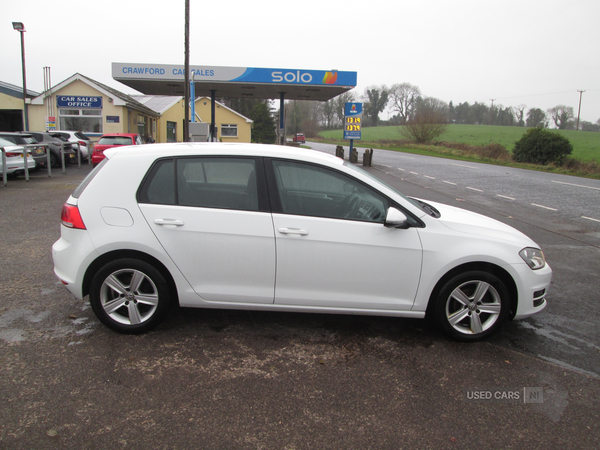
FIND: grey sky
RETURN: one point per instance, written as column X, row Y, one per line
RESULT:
column 532, row 52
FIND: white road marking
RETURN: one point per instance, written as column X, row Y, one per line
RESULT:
column 414, row 173
column 474, row 189
column 590, row 218
column 545, row 207
column 504, row 196
column 450, row 182
column 427, row 176
column 578, row 185
column 462, row 165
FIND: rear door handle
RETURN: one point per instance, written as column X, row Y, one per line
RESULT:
column 169, row 223
column 293, row 231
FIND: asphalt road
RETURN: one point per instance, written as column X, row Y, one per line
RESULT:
column 239, row 379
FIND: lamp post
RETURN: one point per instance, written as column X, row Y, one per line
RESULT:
column 21, row 29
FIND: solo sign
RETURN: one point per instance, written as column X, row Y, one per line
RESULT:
column 353, row 120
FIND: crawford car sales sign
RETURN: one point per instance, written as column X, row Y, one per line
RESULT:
column 76, row 101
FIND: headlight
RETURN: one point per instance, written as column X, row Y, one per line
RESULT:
column 534, row 257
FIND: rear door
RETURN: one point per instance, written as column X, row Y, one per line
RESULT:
column 211, row 216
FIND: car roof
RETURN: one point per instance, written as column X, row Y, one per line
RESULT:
column 119, row 134
column 15, row 133
column 155, row 151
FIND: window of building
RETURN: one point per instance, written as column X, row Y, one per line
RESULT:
column 142, row 125
column 85, row 120
column 229, row 130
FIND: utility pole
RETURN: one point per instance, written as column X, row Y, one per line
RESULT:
column 186, row 82
column 579, row 111
column 492, row 111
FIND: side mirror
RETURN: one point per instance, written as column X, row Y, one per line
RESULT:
column 395, row 218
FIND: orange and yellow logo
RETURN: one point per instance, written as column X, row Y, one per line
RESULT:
column 330, row 78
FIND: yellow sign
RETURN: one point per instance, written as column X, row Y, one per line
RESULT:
column 353, row 123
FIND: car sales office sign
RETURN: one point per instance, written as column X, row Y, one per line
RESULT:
column 353, row 120
column 78, row 101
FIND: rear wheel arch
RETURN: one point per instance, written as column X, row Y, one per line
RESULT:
column 119, row 254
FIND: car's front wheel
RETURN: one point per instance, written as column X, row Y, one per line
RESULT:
column 472, row 305
column 54, row 159
column 129, row 296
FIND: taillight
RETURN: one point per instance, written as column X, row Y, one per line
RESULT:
column 71, row 218
column 82, row 143
column 11, row 154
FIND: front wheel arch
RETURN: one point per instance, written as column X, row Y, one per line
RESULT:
column 493, row 269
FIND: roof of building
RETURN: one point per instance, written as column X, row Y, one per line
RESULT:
column 158, row 103
column 236, row 82
column 16, row 91
column 119, row 98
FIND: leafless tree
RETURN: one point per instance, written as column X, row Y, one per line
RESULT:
column 403, row 98
column 429, row 120
column 519, row 112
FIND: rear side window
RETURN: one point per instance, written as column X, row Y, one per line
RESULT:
column 206, row 182
column 115, row 140
column 159, row 185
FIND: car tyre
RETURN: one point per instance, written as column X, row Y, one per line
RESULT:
column 130, row 296
column 472, row 306
column 54, row 160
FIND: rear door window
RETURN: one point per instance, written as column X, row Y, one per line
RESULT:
column 206, row 182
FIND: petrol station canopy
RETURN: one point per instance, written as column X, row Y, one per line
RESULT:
column 236, row 82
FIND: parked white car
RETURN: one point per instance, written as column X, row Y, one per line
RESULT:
column 77, row 137
column 264, row 227
column 14, row 159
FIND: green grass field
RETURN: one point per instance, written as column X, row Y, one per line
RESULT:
column 586, row 145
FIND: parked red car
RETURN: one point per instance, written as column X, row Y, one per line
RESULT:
column 113, row 140
column 299, row 137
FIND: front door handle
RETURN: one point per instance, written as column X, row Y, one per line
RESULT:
column 293, row 231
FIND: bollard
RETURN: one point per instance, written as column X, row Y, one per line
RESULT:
column 368, row 158
column 339, row 151
column 354, row 156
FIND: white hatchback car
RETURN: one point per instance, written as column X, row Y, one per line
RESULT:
column 79, row 141
column 15, row 161
column 264, row 227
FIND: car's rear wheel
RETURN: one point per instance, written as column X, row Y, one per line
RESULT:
column 129, row 296
column 472, row 306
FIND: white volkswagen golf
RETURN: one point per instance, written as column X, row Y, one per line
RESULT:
column 263, row 227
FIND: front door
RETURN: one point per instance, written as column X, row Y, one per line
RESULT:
column 332, row 247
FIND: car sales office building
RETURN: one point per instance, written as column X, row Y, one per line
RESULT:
column 83, row 104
